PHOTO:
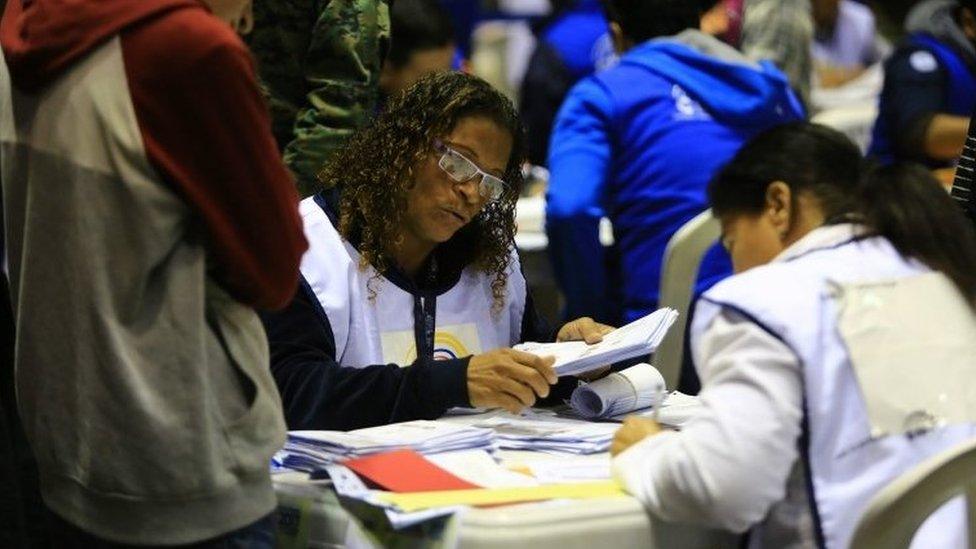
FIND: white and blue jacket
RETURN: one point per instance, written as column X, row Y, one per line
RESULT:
column 357, row 348
column 787, row 445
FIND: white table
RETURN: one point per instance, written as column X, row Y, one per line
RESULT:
column 530, row 218
column 312, row 517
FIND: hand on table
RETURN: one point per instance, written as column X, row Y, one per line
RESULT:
column 634, row 430
column 509, row 379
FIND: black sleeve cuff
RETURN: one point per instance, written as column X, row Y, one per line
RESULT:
column 448, row 382
column 560, row 392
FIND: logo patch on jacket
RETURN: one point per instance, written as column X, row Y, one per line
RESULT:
column 685, row 107
column 459, row 340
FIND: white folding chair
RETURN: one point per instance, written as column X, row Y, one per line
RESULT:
column 896, row 512
column 679, row 271
column 856, row 122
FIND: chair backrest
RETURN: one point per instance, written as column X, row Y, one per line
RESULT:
column 856, row 122
column 896, row 512
column 679, row 272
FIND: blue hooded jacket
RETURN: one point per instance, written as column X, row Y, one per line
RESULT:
column 638, row 143
column 581, row 39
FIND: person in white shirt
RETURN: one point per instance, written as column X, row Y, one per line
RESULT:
column 846, row 41
column 823, row 358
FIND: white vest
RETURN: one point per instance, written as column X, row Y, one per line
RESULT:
column 794, row 299
column 381, row 329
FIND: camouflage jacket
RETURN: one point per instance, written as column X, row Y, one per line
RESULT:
column 319, row 63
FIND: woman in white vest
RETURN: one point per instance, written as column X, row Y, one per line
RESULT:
column 411, row 293
column 836, row 359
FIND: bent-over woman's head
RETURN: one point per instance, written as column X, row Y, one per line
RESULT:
column 794, row 178
column 440, row 170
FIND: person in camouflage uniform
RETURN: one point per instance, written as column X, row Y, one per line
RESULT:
column 319, row 62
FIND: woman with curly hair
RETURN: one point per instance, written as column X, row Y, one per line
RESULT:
column 411, row 292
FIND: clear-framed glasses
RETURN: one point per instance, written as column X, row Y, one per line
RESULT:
column 460, row 169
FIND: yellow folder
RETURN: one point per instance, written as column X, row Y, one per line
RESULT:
column 417, row 501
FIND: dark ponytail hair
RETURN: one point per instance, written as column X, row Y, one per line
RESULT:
column 902, row 202
column 906, row 204
column 811, row 158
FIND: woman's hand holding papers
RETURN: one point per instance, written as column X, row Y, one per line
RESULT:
column 514, row 380
column 584, row 329
column 634, row 430
column 588, row 330
column 509, row 379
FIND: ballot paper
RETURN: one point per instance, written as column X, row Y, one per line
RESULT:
column 567, row 469
column 542, row 432
column 481, row 468
column 635, row 388
column 313, row 450
column 640, row 337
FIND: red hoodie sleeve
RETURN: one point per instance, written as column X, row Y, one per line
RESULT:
column 205, row 127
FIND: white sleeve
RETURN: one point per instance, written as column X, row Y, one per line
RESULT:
column 728, row 466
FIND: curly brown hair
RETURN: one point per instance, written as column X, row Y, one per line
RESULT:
column 374, row 171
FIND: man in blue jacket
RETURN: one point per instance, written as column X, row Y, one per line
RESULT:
column 930, row 86
column 639, row 142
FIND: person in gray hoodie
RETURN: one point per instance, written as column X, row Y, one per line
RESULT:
column 930, row 86
column 146, row 215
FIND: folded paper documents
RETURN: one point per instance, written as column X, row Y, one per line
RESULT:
column 640, row 337
column 313, row 450
column 542, row 432
column 635, row 388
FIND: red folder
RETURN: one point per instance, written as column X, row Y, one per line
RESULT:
column 406, row 471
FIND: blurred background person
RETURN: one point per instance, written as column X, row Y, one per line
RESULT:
column 421, row 42
column 965, row 176
column 638, row 143
column 734, row 10
column 573, row 42
column 846, row 41
column 319, row 64
column 930, row 86
column 781, row 31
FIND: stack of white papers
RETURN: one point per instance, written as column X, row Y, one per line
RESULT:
column 543, row 433
column 640, row 337
column 313, row 450
column 635, row 388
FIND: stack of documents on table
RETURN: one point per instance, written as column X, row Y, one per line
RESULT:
column 635, row 388
column 543, row 432
column 313, row 450
column 640, row 337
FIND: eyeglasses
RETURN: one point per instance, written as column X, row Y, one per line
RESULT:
column 460, row 169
